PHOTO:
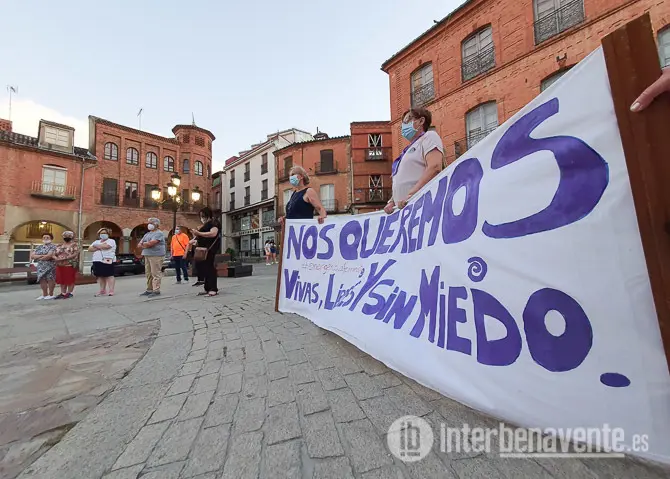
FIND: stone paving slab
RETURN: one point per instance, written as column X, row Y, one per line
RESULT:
column 258, row 394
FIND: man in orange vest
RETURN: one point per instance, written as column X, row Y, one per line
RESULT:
column 178, row 251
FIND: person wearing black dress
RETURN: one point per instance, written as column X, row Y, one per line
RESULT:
column 304, row 200
column 208, row 236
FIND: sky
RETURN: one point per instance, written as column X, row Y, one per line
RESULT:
column 242, row 69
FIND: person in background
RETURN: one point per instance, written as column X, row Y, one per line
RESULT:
column 661, row 85
column 304, row 199
column 274, row 250
column 268, row 253
column 178, row 247
column 66, row 256
column 46, row 267
column 208, row 236
column 153, row 250
column 104, row 254
column 420, row 161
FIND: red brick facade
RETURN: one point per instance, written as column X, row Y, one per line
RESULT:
column 309, row 155
column 29, row 200
column 521, row 62
column 191, row 144
column 371, row 159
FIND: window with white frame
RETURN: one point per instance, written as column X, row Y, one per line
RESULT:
column 480, row 122
column 423, row 89
column 664, row 46
column 374, row 146
column 151, row 160
column 54, row 179
column 327, row 194
column 198, row 168
column 376, row 184
column 56, row 136
column 287, row 196
column 132, row 156
column 478, row 53
column 168, row 163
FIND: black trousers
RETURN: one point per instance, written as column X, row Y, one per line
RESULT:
column 180, row 265
column 208, row 271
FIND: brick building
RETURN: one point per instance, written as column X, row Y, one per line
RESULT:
column 487, row 59
column 327, row 162
column 133, row 162
column 41, row 188
column 371, row 161
column 49, row 185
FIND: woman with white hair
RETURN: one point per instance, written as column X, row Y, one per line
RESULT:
column 66, row 256
column 304, row 200
column 104, row 254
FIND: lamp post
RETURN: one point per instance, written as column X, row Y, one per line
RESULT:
column 175, row 197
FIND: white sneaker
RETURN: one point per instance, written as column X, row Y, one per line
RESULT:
column 48, row 297
column 40, row 298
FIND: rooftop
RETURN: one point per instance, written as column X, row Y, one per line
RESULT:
column 316, row 140
column 102, row 121
column 193, row 127
column 32, row 142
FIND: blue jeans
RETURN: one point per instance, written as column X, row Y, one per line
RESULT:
column 180, row 265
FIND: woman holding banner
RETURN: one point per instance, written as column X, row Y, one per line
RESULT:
column 304, row 199
column 420, row 161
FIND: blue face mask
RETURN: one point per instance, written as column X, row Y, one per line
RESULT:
column 294, row 180
column 408, row 130
column 104, row 236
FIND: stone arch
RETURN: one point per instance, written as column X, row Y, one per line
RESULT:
column 30, row 230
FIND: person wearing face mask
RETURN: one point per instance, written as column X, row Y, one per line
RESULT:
column 208, row 236
column 104, row 254
column 304, row 200
column 419, row 162
column 153, row 250
column 178, row 247
column 46, row 267
column 66, row 256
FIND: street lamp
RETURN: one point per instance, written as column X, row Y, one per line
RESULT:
column 174, row 197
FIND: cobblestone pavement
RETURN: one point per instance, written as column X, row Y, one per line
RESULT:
column 231, row 389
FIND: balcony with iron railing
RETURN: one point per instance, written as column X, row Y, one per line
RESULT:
column 559, row 20
column 378, row 154
column 264, row 168
column 330, row 205
column 150, row 204
column 48, row 190
column 264, row 195
column 232, row 205
column 325, row 168
column 464, row 144
column 232, row 183
column 131, row 202
column 478, row 63
column 423, row 95
column 108, row 198
column 374, row 195
column 247, row 200
column 247, row 175
column 284, row 175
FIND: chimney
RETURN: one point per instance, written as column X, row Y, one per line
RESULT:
column 5, row 125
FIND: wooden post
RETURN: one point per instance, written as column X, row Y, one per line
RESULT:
column 632, row 64
column 281, row 261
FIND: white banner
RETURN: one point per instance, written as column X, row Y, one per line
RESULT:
column 514, row 282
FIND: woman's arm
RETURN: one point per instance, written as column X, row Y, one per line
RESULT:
column 315, row 201
column 213, row 233
column 433, row 168
column 93, row 247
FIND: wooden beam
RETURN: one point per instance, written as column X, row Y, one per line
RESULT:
column 632, row 62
